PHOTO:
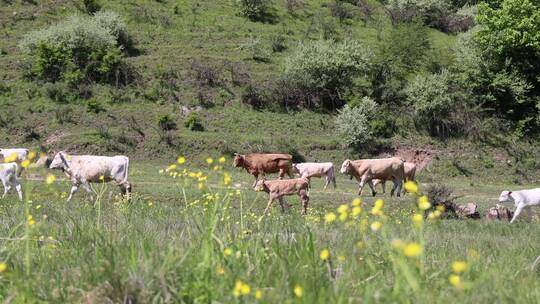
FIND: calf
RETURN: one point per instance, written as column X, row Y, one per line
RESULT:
column 410, row 173
column 522, row 199
column 309, row 170
column 8, row 175
column 86, row 169
column 276, row 189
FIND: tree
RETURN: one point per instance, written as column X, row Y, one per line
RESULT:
column 353, row 123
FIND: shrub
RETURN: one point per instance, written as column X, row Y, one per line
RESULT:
column 193, row 123
column 255, row 10
column 353, row 123
column 324, row 70
column 91, row 6
column 278, row 42
column 166, row 123
column 205, row 73
column 257, row 50
column 94, row 106
column 80, row 48
column 57, row 92
column 254, row 96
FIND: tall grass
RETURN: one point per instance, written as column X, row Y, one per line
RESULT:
column 191, row 235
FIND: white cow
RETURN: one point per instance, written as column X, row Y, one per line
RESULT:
column 8, row 175
column 522, row 199
column 86, row 169
column 16, row 155
column 309, row 170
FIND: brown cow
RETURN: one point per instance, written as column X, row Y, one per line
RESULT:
column 276, row 189
column 365, row 170
column 260, row 163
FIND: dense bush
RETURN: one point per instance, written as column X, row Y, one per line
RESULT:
column 193, row 122
column 353, row 123
column 257, row 50
column 255, row 10
column 91, row 6
column 166, row 123
column 323, row 71
column 80, row 49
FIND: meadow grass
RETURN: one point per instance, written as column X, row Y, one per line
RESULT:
column 177, row 243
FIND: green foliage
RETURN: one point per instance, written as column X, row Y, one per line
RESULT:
column 257, row 50
column 78, row 49
column 255, row 10
column 353, row 124
column 193, row 122
column 326, row 69
column 166, row 123
column 94, row 106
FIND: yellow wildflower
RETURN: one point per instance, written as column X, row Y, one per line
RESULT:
column 376, row 226
column 241, row 288
column 298, row 291
column 379, row 203
column 50, row 179
column 209, row 161
column 11, row 158
column 31, row 155
column 227, row 252
column 417, row 219
column 455, row 280
column 343, row 216
column 227, row 179
column 341, row 258
column 3, row 267
column 459, row 266
column 440, row 208
column 221, row 160
column 258, row 292
column 220, row 270
column 330, row 217
column 171, row 167
column 200, row 186
column 324, row 255
column 423, row 202
column 359, row 244
column 30, row 220
column 411, row 186
column 181, row 160
column 343, row 208
column 431, row 216
column 25, row 163
column 412, row 250
column 356, row 211
column 356, row 202
column 377, row 209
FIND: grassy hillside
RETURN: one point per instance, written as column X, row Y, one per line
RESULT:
column 176, row 43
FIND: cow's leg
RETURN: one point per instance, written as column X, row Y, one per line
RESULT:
column 282, row 173
column 334, row 181
column 282, row 204
column 396, row 186
column 305, row 201
column 18, row 187
column 370, row 184
column 361, row 184
column 86, row 186
column 270, row 201
column 256, row 179
column 517, row 212
column 383, row 185
column 74, row 188
column 6, row 185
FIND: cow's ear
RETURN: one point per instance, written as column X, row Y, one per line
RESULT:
column 509, row 192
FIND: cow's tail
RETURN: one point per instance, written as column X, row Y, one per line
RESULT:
column 125, row 181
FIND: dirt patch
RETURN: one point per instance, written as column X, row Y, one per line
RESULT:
column 421, row 157
column 55, row 137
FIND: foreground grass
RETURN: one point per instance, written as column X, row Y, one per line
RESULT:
column 176, row 243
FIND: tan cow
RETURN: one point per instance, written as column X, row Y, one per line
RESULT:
column 276, row 189
column 365, row 170
column 261, row 163
column 410, row 173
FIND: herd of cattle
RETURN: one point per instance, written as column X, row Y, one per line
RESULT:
column 85, row 169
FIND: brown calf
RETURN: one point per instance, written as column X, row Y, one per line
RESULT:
column 260, row 163
column 276, row 189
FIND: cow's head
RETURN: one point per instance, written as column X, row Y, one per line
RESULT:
column 506, row 197
column 260, row 185
column 346, row 167
column 295, row 170
column 238, row 160
column 59, row 161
